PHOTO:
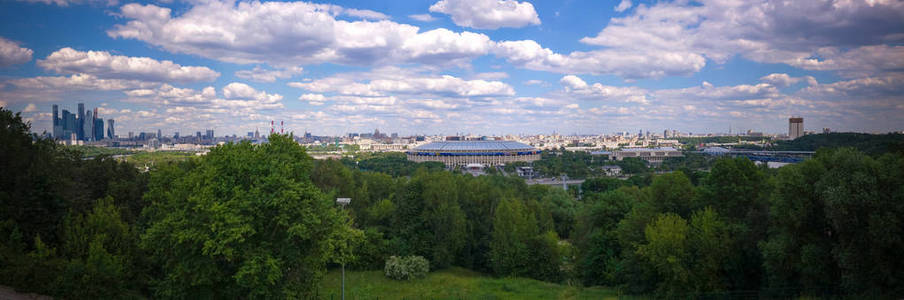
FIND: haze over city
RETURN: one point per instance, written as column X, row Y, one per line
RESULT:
column 450, row 66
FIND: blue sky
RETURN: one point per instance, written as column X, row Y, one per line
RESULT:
column 458, row 66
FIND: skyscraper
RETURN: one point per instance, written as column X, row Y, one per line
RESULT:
column 57, row 123
column 795, row 127
column 80, row 125
column 110, row 132
column 68, row 125
column 98, row 128
column 159, row 134
column 210, row 134
column 87, row 126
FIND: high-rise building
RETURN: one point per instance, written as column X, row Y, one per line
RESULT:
column 159, row 134
column 80, row 126
column 795, row 127
column 57, row 123
column 176, row 135
column 87, row 126
column 98, row 128
column 210, row 134
column 110, row 132
column 198, row 134
column 665, row 133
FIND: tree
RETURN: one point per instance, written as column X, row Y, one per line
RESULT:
column 247, row 222
column 667, row 249
column 738, row 190
column 710, row 243
column 673, row 193
column 599, row 253
column 512, row 227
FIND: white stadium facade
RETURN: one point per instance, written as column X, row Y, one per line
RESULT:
column 463, row 153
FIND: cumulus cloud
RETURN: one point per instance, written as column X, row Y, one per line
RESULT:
column 423, row 17
column 577, row 87
column 105, row 65
column 491, row 75
column 259, row 74
column 237, row 98
column 12, row 54
column 65, row 3
column 313, row 99
column 387, row 82
column 626, row 63
column 488, row 14
column 806, row 34
column 291, row 34
column 623, row 5
column 31, row 107
column 77, row 82
column 785, row 80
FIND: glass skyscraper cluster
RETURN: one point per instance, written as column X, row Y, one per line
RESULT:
column 84, row 126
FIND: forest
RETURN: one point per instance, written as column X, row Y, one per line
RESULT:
column 260, row 221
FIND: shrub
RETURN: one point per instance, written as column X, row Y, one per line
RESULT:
column 407, row 267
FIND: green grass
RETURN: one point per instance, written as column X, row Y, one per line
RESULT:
column 452, row 283
column 161, row 157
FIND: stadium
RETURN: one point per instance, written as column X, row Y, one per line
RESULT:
column 462, row 153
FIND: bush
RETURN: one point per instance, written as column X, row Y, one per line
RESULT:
column 407, row 267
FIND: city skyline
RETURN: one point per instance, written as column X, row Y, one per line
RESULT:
column 450, row 66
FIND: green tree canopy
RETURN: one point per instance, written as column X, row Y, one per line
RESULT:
column 245, row 223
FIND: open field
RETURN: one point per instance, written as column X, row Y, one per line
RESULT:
column 452, row 283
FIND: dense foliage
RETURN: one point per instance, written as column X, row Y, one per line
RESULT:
column 871, row 144
column 258, row 221
column 406, row 267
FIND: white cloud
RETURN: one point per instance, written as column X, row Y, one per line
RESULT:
column 390, row 81
column 784, row 80
column 623, row 5
column 805, row 34
column 313, row 99
column 78, row 82
column 534, row 82
column 12, row 54
column 488, row 14
column 286, row 34
column 31, row 107
column 104, row 65
column 622, row 62
column 423, row 17
column 577, row 87
column 259, row 74
column 857, row 62
column 491, row 75
column 65, row 3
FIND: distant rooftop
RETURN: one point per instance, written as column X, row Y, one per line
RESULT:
column 649, row 149
column 474, row 145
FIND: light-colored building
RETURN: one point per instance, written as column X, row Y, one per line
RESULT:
column 795, row 127
column 462, row 153
column 612, row 171
column 651, row 155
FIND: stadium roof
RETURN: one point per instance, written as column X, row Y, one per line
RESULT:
column 474, row 145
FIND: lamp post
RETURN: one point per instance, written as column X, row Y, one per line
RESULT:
column 343, row 202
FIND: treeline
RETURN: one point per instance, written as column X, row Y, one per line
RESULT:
column 244, row 221
column 260, row 221
column 872, row 144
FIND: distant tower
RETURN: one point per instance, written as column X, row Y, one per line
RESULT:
column 110, row 132
column 80, row 122
column 57, row 123
column 795, row 127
